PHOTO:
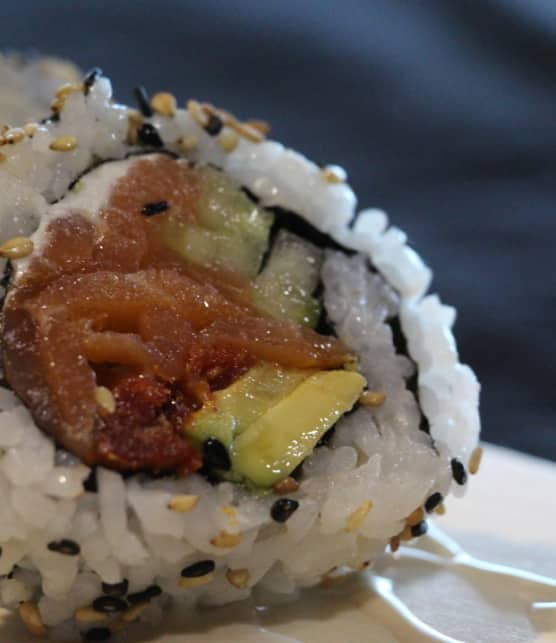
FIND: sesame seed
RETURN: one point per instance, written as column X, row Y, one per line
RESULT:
column 134, row 122
column 109, row 605
column 64, row 144
column 133, row 613
column 88, row 615
column 225, row 540
column 65, row 546
column 142, row 100
column 62, row 93
column 372, row 398
column 249, row 133
column 458, row 471
column 261, row 126
column 200, row 568
column 282, row 509
column 16, row 248
column 183, row 503
column 197, row 113
column 419, row 529
column 214, row 125
column 197, row 581
column 394, row 544
column 238, row 577
column 415, row 517
column 164, row 104
column 441, row 509
column 98, row 634
column 215, row 455
column 90, row 78
column 475, row 460
column 14, row 135
column 355, row 519
column 155, row 207
column 105, row 399
column 148, row 135
column 30, row 615
column 187, row 144
column 331, row 176
column 228, row 140
column 145, row 596
column 115, row 589
column 433, row 501
column 30, row 129
column 285, row 486
column 406, row 533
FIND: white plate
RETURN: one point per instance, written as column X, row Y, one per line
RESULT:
column 508, row 517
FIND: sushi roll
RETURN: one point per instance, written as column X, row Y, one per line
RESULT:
column 219, row 377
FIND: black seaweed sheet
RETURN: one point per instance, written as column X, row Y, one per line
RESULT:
column 442, row 112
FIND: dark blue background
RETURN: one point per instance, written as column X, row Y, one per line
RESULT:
column 443, row 113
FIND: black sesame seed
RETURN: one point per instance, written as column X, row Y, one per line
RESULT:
column 109, row 605
column 148, row 136
column 215, row 455
column 420, row 529
column 282, row 509
column 53, row 118
column 156, row 207
column 214, row 125
column 202, row 568
column 64, row 546
column 433, row 501
column 90, row 483
column 98, row 634
column 142, row 98
column 458, row 471
column 145, row 596
column 116, row 589
column 90, row 78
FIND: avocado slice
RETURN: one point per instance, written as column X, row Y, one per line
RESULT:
column 272, row 446
column 230, row 232
column 235, row 408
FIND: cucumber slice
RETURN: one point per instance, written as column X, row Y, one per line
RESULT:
column 285, row 286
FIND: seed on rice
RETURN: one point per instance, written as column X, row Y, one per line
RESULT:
column 406, row 533
column 187, row 144
column 286, row 486
column 105, row 399
column 394, row 544
column 355, row 519
column 133, row 613
column 30, row 129
column 415, row 517
column 64, row 144
column 282, row 509
column 332, row 175
column 14, row 135
column 238, row 577
column 134, row 122
column 419, row 529
column 228, row 140
column 65, row 546
column 261, row 126
column 88, row 615
column 215, row 455
column 197, row 113
column 183, row 503
column 200, row 568
column 30, row 615
column 145, row 596
column 98, row 634
column 109, row 604
column 372, row 398
column 458, row 471
column 441, row 509
column 475, row 460
column 164, row 104
column 433, row 501
column 248, row 132
column 148, row 135
column 16, row 248
column 225, row 540
column 155, row 207
column 142, row 100
column 115, row 589
column 62, row 93
column 90, row 78
column 214, row 125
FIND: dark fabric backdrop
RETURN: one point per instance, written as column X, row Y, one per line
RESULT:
column 443, row 112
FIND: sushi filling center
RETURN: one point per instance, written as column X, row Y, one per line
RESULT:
column 153, row 290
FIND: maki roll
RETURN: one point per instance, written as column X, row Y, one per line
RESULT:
column 219, row 378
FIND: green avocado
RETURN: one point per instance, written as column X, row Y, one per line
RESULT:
column 272, row 446
column 235, row 408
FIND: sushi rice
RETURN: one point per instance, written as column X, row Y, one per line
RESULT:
column 136, row 535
